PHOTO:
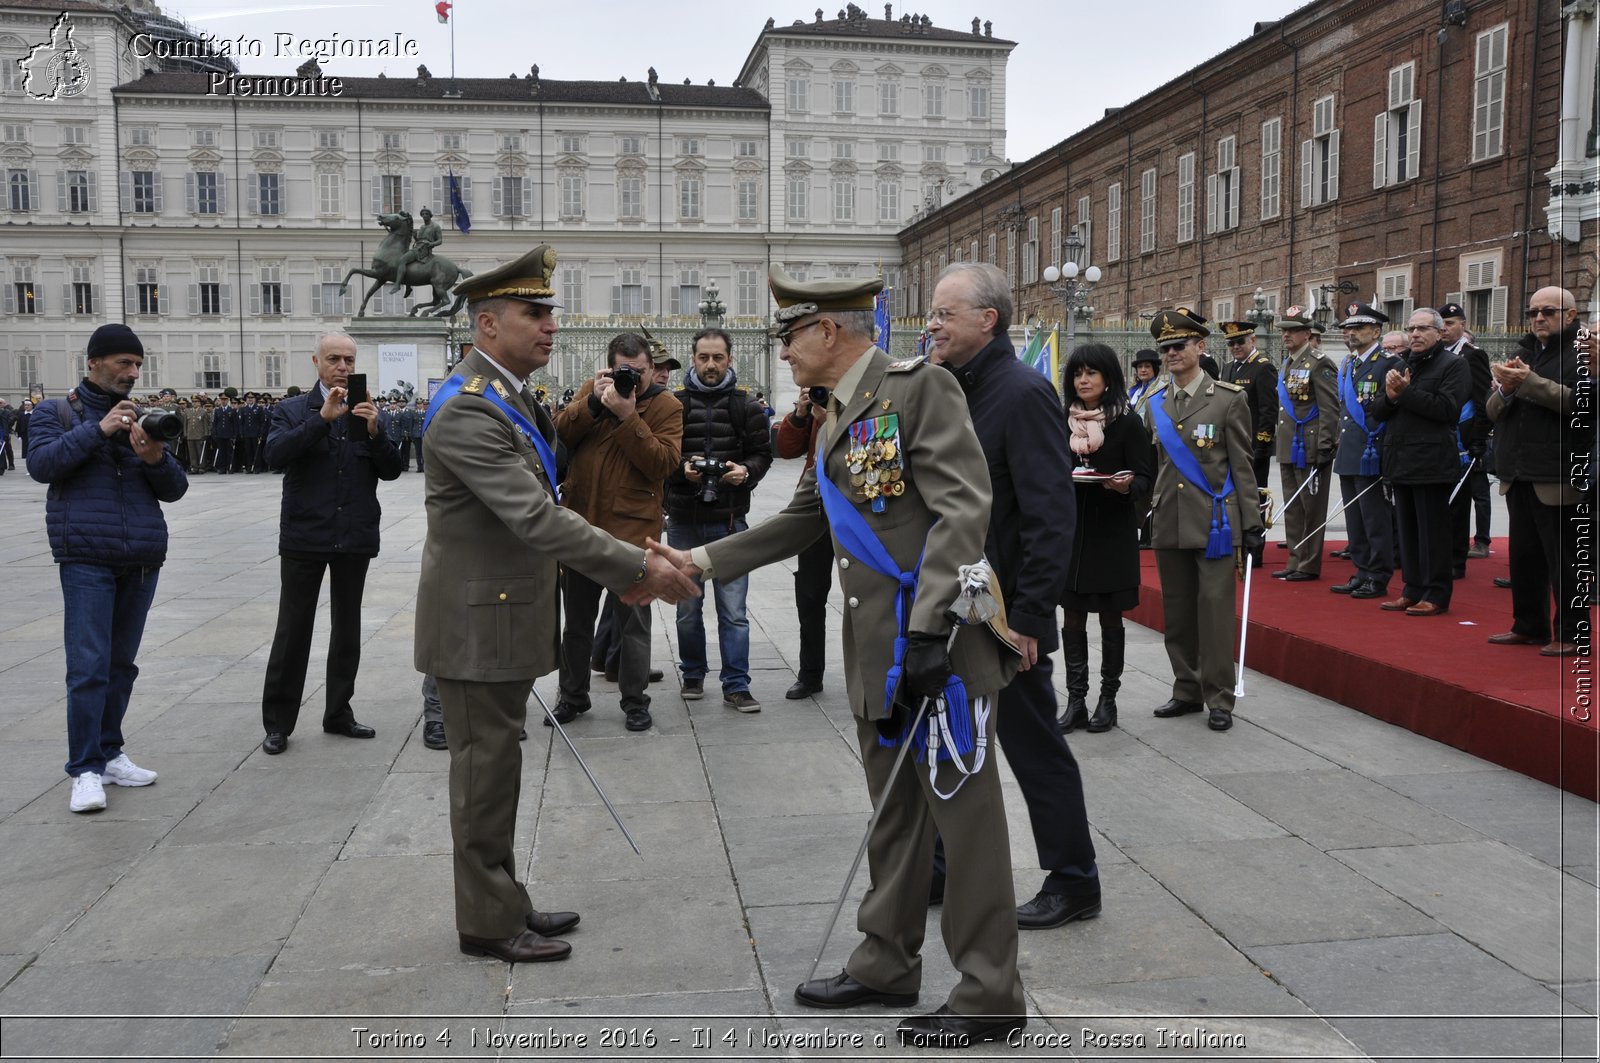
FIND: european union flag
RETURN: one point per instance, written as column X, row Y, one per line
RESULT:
column 880, row 315
column 458, row 208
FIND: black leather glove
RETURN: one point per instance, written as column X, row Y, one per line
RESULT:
column 927, row 665
column 1255, row 544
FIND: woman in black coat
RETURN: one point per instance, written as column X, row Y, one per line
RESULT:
column 1113, row 466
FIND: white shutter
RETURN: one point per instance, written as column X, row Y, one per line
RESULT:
column 226, row 291
column 1407, row 305
column 1380, row 149
column 345, row 301
column 1235, row 193
column 1413, row 138
column 222, row 193
column 284, row 291
column 649, row 304
column 94, row 294
column 61, row 191
column 497, row 198
column 255, row 300
column 67, row 303
column 130, row 300
column 1305, row 173
column 194, row 299
column 1497, row 307
column 316, row 296
column 1333, row 166
column 1453, row 297
column 405, row 193
column 437, row 198
column 252, row 199
column 10, row 301
column 1211, row 203
column 377, row 195
column 466, row 197
column 616, row 299
column 155, row 182
column 188, row 193
column 125, row 192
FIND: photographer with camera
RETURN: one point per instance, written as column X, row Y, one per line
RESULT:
column 108, row 473
column 622, row 432
column 727, row 449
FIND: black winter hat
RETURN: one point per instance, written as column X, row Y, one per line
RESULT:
column 115, row 338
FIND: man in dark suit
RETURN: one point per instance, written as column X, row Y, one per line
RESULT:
column 1473, row 431
column 1368, row 514
column 488, row 623
column 904, row 425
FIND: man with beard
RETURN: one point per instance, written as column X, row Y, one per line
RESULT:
column 1368, row 514
column 107, row 480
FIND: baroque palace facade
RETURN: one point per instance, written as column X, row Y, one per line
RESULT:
column 217, row 213
column 1413, row 150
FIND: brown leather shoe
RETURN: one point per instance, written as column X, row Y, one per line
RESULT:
column 1426, row 609
column 1398, row 605
column 526, row 947
column 1558, row 649
column 1513, row 638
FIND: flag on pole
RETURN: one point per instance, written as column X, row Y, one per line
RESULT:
column 1031, row 346
column 880, row 317
column 458, row 206
column 442, row 9
column 1048, row 362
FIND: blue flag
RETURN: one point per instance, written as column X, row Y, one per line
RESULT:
column 458, row 208
column 880, row 314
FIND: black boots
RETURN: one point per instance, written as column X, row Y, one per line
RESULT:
column 1113, row 641
column 1075, row 644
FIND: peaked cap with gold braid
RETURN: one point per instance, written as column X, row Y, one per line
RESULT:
column 527, row 279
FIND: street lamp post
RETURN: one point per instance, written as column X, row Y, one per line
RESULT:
column 1324, row 312
column 1073, row 289
column 712, row 309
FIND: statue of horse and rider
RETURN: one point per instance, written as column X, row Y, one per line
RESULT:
column 397, row 261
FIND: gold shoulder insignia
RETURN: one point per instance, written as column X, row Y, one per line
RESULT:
column 500, row 389
column 473, row 386
column 1229, row 386
column 1158, row 389
column 905, row 365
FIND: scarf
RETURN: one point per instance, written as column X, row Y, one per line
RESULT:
column 1087, row 428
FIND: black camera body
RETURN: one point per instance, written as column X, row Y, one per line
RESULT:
column 710, row 470
column 626, row 378
column 158, row 423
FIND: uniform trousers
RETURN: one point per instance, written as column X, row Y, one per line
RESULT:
column 580, row 597
column 224, row 459
column 285, row 685
column 246, row 453
column 1307, row 511
column 1424, row 513
column 1545, row 562
column 197, row 454
column 1261, row 461
column 1197, row 602
column 979, row 920
column 432, row 710
column 1370, row 522
column 813, row 580
column 483, row 722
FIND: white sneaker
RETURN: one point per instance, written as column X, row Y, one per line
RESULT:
column 121, row 771
column 87, row 793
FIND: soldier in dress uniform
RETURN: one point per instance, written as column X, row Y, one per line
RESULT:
column 1255, row 373
column 488, row 622
column 252, row 415
column 902, row 474
column 1307, row 432
column 225, row 431
column 1368, row 514
column 1199, row 526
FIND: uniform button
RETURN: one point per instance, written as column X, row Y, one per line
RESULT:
column 855, row 602
column 844, row 562
column 1180, row 487
column 502, row 596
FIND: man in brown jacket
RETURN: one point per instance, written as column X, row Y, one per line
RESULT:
column 624, row 435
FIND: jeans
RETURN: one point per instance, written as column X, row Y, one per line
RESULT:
column 733, row 626
column 104, row 619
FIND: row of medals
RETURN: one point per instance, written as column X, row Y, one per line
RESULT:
column 875, row 471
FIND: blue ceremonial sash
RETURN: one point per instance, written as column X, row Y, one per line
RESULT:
column 529, row 430
column 857, row 538
column 1467, row 410
column 1220, row 542
column 1358, row 413
column 1297, row 449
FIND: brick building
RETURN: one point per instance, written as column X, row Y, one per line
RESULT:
column 1416, row 150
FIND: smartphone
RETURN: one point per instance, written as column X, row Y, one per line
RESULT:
column 355, row 394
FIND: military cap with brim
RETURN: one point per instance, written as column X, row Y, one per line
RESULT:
column 1298, row 317
column 1232, row 330
column 1178, row 326
column 527, row 279
column 796, row 298
column 1453, row 310
column 1362, row 314
column 659, row 355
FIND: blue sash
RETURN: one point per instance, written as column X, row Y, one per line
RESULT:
column 1220, row 542
column 530, row 432
column 1467, row 411
column 1297, row 449
column 1358, row 414
column 859, row 540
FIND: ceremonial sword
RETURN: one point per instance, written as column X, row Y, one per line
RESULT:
column 562, row 731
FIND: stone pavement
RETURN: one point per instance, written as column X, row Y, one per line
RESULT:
column 1313, row 884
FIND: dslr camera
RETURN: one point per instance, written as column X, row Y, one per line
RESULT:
column 626, row 378
column 158, row 423
column 710, row 470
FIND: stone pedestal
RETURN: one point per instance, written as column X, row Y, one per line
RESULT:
column 394, row 349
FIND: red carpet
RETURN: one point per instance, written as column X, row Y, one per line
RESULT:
column 1436, row 676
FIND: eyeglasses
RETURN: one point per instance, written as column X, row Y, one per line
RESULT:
column 786, row 336
column 1545, row 311
column 943, row 314
column 1421, row 328
column 1238, row 341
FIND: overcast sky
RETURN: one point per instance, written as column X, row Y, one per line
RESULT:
column 1074, row 58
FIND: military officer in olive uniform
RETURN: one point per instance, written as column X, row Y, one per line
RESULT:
column 1368, row 514
column 901, row 452
column 1199, row 528
column 196, row 430
column 1307, row 432
column 1255, row 373
column 488, row 623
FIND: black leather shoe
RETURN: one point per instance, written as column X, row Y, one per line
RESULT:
column 1342, row 555
column 945, row 1029
column 1298, row 576
column 1282, row 573
column 433, row 735
column 842, row 991
column 1503, row 582
column 1369, row 589
column 1178, row 708
column 1221, row 720
column 1049, row 910
column 526, row 947
column 564, row 713
column 1074, row 716
column 551, row 924
column 275, row 742
column 1347, row 587
column 638, row 720
column 350, row 729
column 802, row 689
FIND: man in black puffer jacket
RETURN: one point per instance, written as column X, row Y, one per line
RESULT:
column 107, row 481
column 708, row 498
column 329, row 521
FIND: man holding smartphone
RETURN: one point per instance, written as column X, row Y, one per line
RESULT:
column 331, row 445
